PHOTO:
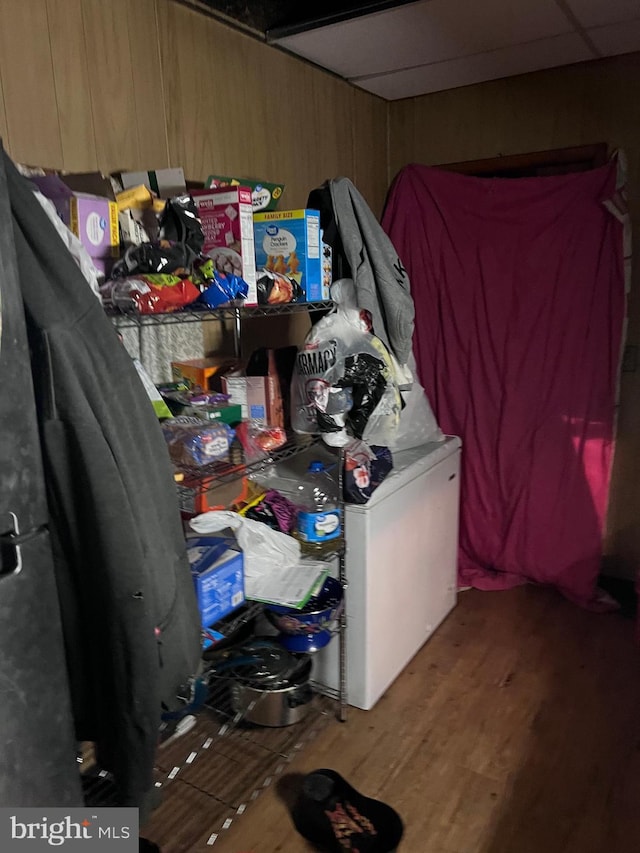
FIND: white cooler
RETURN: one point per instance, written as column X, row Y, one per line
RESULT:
column 401, row 569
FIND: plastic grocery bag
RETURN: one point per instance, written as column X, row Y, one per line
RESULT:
column 264, row 549
column 418, row 424
column 344, row 384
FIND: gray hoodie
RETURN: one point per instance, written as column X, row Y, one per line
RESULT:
column 382, row 283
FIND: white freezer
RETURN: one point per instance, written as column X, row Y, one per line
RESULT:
column 401, row 567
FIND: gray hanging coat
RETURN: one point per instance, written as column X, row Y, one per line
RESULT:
column 382, row 283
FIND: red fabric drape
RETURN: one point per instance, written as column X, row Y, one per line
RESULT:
column 519, row 293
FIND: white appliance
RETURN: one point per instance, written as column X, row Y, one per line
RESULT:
column 401, row 570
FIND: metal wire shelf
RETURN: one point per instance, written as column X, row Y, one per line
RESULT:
column 197, row 480
column 228, row 312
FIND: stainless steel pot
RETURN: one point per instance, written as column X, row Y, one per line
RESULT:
column 276, row 693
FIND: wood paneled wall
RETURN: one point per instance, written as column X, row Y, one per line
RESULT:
column 576, row 105
column 132, row 84
column 142, row 84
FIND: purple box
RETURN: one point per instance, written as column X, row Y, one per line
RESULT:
column 93, row 219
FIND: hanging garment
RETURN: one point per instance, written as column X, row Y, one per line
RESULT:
column 381, row 282
column 130, row 619
column 519, row 293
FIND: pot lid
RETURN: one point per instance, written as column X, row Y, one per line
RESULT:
column 263, row 663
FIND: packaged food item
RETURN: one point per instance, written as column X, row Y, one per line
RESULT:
column 192, row 443
column 157, row 401
column 288, row 243
column 203, row 372
column 259, row 397
column 264, row 195
column 92, row 218
column 218, row 577
column 227, row 221
column 179, row 223
column 137, row 225
column 327, row 268
column 135, row 197
column 154, row 258
column 228, row 414
column 170, row 243
column 277, row 289
column 258, row 441
column 219, row 288
column 200, row 404
column 163, row 182
column 150, row 294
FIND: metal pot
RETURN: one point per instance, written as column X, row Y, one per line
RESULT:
column 276, row 692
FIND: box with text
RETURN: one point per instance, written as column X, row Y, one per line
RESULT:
column 227, row 221
column 288, row 242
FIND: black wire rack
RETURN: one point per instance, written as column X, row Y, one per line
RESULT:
column 214, row 770
column 228, row 312
column 195, row 481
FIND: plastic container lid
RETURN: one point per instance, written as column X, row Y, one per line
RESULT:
column 315, row 467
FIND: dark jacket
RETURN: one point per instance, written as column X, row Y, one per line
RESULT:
column 128, row 606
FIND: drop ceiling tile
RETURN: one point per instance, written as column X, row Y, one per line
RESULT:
column 617, row 38
column 464, row 71
column 427, row 31
column 594, row 13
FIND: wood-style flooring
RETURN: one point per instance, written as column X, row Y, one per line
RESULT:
column 516, row 729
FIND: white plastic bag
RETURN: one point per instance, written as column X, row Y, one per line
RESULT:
column 264, row 550
column 73, row 244
column 344, row 383
column 418, row 424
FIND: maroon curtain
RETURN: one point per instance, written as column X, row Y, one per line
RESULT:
column 519, row 293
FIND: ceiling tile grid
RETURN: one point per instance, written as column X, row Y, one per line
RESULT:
column 615, row 39
column 433, row 45
column 467, row 70
column 428, row 31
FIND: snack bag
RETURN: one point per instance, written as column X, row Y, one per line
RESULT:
column 150, row 294
column 192, row 442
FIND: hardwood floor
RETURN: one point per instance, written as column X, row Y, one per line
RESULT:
column 516, row 729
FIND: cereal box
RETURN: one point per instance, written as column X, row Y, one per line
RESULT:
column 264, row 195
column 288, row 243
column 227, row 221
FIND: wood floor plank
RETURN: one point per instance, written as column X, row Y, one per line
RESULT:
column 516, row 729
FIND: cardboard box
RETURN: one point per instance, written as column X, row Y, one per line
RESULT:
column 165, row 183
column 93, row 219
column 218, row 577
column 200, row 372
column 138, row 226
column 138, row 197
column 227, row 222
column 231, row 414
column 259, row 397
column 264, row 195
column 200, row 495
column 327, row 268
column 288, row 242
